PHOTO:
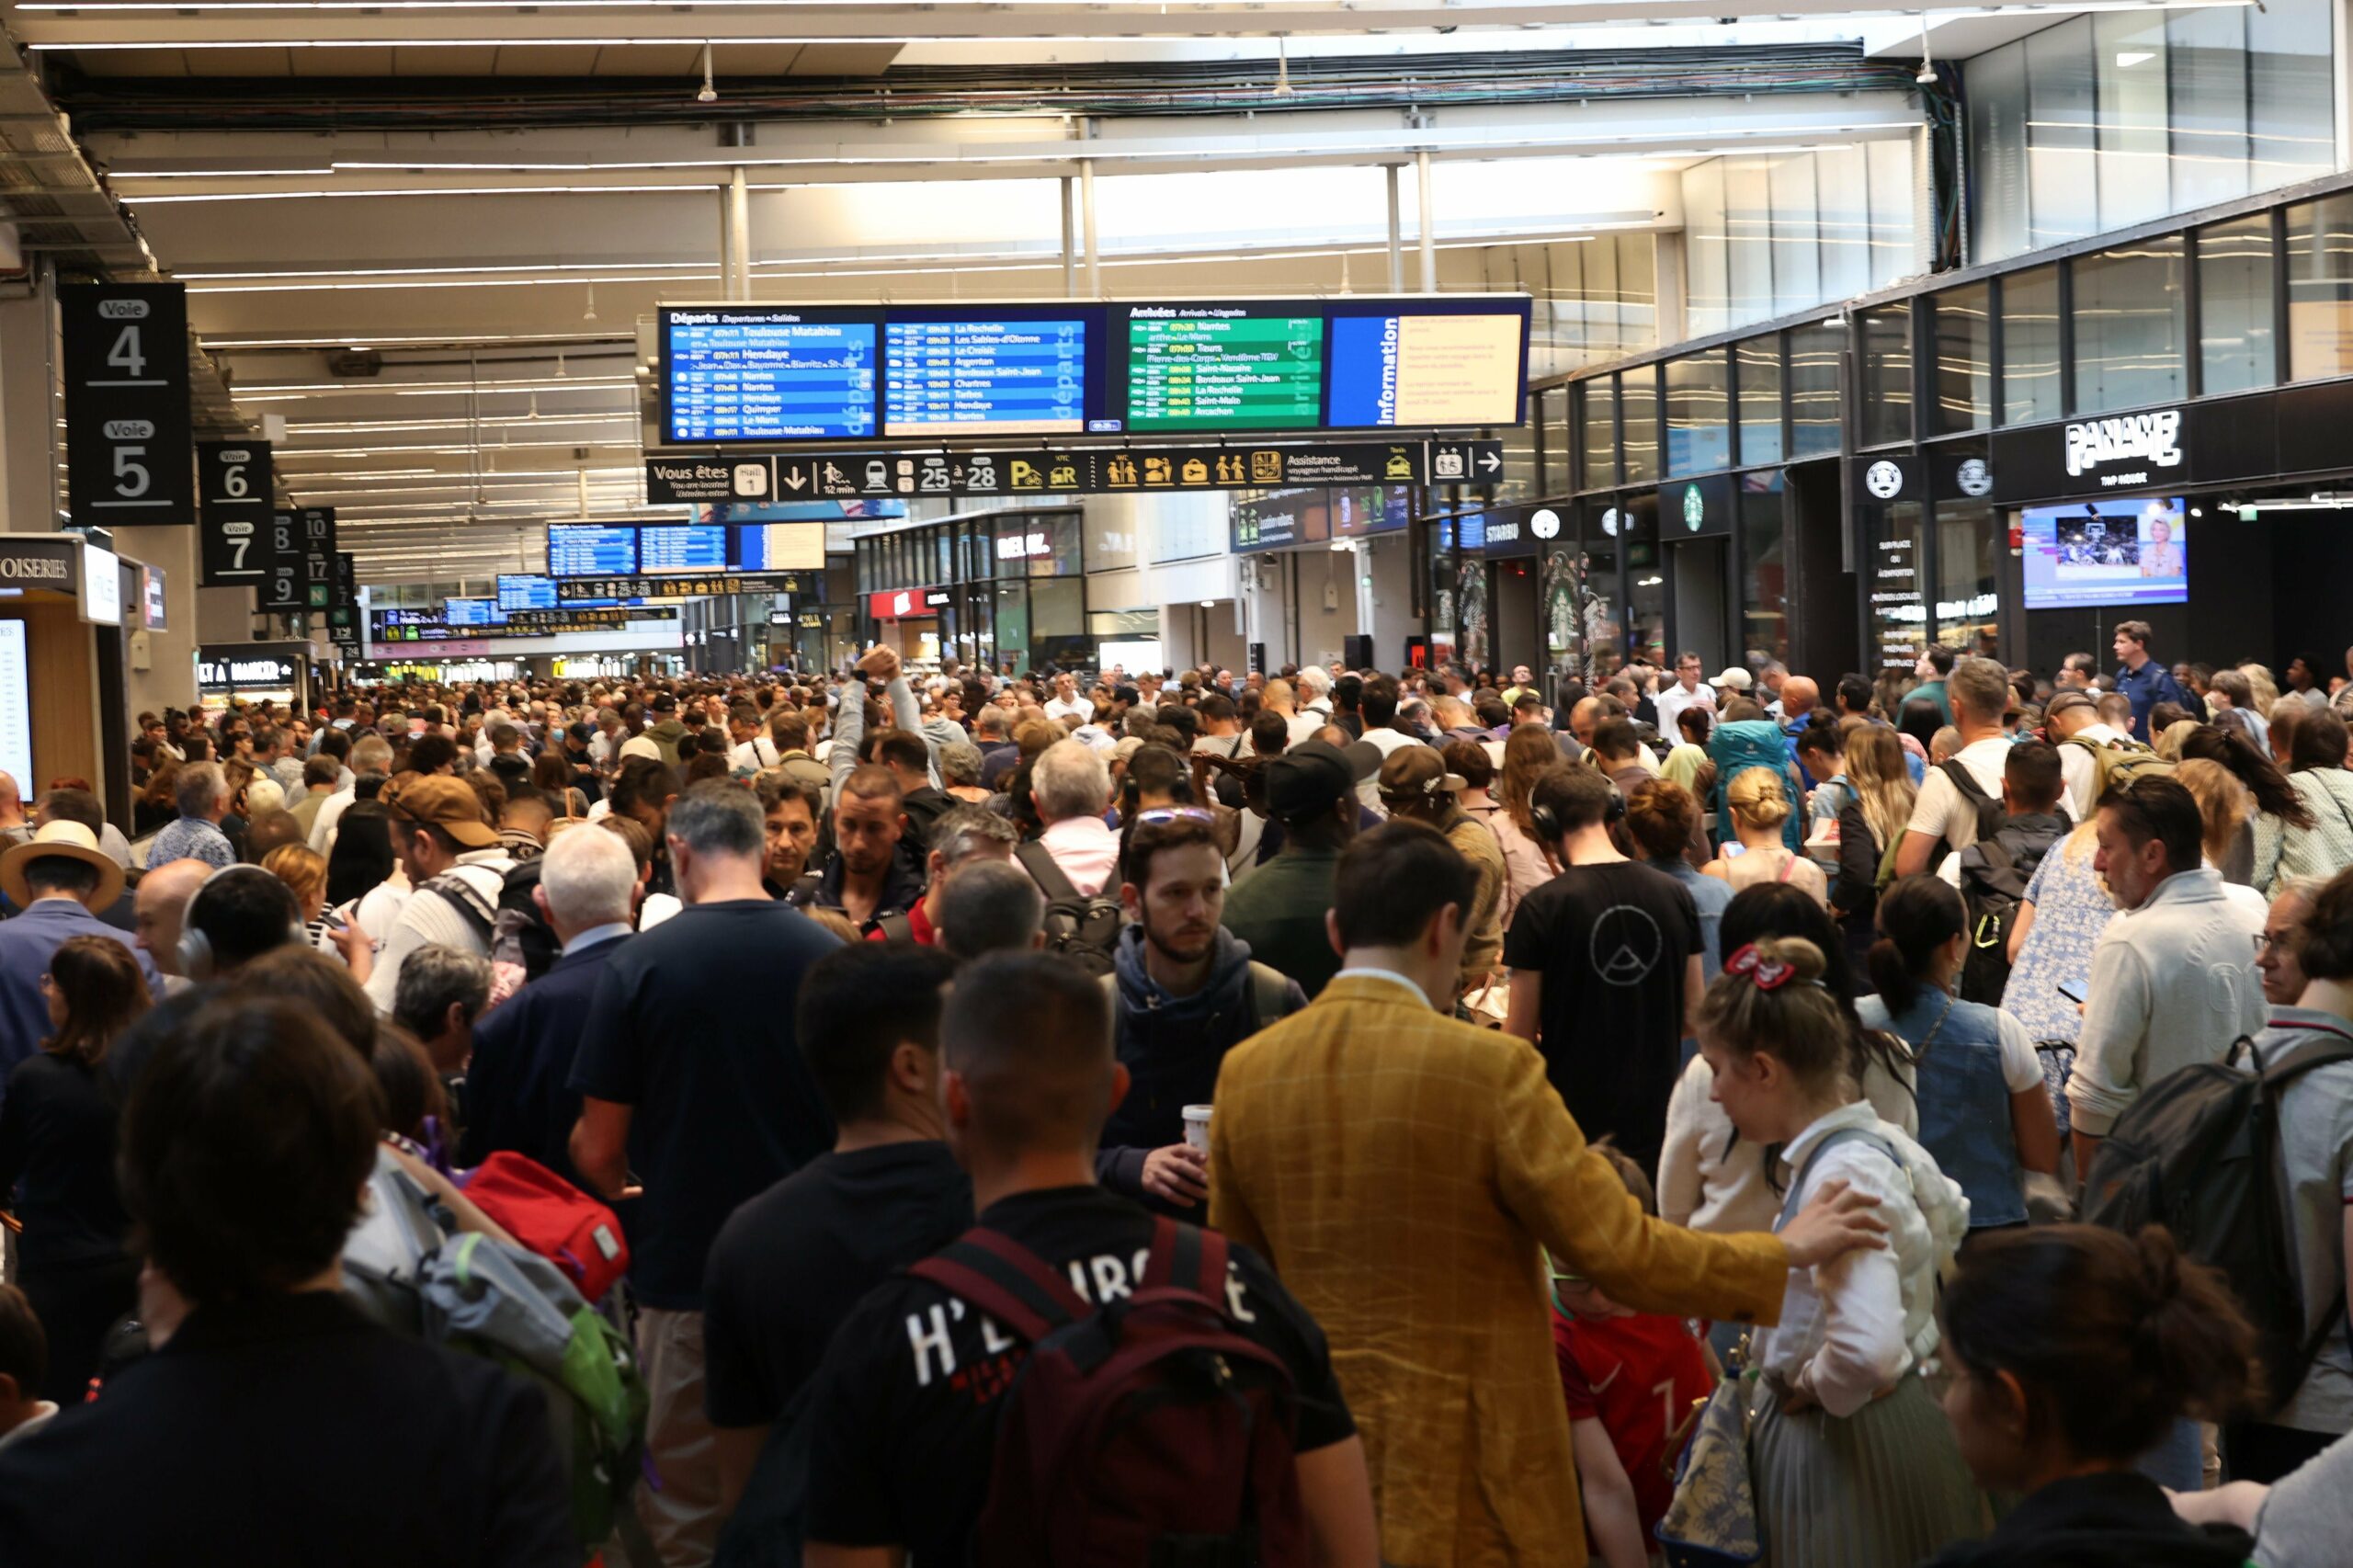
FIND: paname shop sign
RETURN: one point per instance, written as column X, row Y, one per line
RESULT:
column 2129, row 449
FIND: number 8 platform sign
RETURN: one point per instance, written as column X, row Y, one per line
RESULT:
column 125, row 358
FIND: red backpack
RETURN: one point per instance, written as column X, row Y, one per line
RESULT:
column 549, row 1216
column 1147, row 1431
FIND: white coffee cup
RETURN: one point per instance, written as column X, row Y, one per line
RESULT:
column 1197, row 1126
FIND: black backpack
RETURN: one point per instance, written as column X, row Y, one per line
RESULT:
column 1991, row 813
column 2198, row 1154
column 1082, row 928
column 1993, row 877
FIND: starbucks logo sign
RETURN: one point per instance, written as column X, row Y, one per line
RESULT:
column 1883, row 480
column 1695, row 507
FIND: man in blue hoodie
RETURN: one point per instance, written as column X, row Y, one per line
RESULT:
column 1185, row 990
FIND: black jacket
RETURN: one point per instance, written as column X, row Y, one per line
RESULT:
column 2118, row 1520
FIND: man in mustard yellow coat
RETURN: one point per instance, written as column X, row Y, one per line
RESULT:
column 1406, row 1174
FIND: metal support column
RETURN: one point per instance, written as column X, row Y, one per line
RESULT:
column 727, row 245
column 739, row 241
column 1086, row 219
column 1429, row 223
column 1396, row 233
column 1070, row 245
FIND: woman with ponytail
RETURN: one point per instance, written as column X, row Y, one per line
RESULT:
column 1984, row 1110
column 1853, row 1465
column 2072, row 1350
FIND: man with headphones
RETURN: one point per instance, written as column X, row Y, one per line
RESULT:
column 238, row 913
column 1604, row 962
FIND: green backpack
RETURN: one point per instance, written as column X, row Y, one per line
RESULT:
column 2116, row 764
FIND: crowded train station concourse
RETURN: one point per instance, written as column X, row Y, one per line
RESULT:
column 1196, row 784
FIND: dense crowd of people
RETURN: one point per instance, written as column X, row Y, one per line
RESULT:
column 1316, row 1116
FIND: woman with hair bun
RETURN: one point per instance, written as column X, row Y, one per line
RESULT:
column 1853, row 1466
column 1984, row 1110
column 2073, row 1349
column 1758, row 801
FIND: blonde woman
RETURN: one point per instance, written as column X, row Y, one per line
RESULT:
column 2266, row 689
column 304, row 872
column 2225, row 822
column 1868, row 825
column 1528, row 862
column 1760, row 802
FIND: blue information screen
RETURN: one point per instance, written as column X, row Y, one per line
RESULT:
column 587, row 550
column 991, row 378
column 472, row 612
column 689, row 547
column 526, row 590
column 767, row 375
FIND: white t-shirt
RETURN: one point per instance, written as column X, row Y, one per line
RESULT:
column 1673, row 699
column 753, row 755
column 2081, row 769
column 1940, row 809
column 1390, row 741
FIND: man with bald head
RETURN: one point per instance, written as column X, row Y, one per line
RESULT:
column 158, row 910
column 1800, row 698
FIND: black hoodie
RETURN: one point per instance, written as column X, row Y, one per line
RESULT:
column 2113, row 1520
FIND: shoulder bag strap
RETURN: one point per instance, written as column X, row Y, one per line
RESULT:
column 1789, row 864
column 1790, row 1204
column 1005, row 1279
column 1269, row 989
column 1187, row 1257
column 1038, row 861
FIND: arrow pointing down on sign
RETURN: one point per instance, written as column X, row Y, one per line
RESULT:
column 792, row 482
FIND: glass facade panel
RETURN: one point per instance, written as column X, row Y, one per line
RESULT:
column 2030, row 383
column 2291, row 122
column 1603, row 610
column 1637, row 289
column 1645, row 577
column 1797, row 248
column 1600, row 398
column 1698, row 412
column 1842, row 196
column 1707, row 284
column 2128, row 326
column 2060, row 152
column 1759, row 367
column 2320, row 288
column 2128, row 60
column 1895, row 243
column 1638, row 415
column 1549, row 410
column 2235, row 346
column 1764, row 568
column 1963, row 328
column 1898, row 619
column 1998, row 163
column 1884, row 404
column 1603, row 331
column 1814, row 390
column 1748, row 223
column 2208, row 50
column 1968, row 578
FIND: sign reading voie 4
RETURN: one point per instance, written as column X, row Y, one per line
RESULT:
column 124, row 354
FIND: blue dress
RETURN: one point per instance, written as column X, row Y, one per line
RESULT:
column 2071, row 907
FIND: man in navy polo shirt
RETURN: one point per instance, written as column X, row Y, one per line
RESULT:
column 2141, row 677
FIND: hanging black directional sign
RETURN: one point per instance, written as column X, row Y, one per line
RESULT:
column 281, row 588
column 318, row 557
column 233, row 486
column 343, row 604
column 125, row 360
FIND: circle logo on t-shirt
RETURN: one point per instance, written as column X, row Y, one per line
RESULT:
column 1626, row 945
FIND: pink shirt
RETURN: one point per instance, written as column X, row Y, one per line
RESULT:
column 1087, row 851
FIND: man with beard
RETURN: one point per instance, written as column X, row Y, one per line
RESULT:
column 1184, row 992
column 872, row 874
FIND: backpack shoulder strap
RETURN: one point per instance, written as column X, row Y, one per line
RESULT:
column 1269, row 989
column 1038, row 861
column 893, row 927
column 1963, row 780
column 1830, row 1141
column 459, row 896
column 1187, row 1257
column 1002, row 1277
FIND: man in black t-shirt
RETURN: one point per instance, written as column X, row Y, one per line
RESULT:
column 789, row 1265
column 1605, row 965
column 905, row 1409
column 691, row 1087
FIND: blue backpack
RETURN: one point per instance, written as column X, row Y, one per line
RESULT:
column 1735, row 748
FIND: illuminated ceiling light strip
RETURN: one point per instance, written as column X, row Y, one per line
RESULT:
column 900, row 39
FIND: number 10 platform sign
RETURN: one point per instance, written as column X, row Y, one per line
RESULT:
column 125, row 350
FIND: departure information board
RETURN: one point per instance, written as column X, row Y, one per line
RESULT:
column 739, row 375
column 685, row 547
column 1198, row 367
column 526, row 590
column 767, row 375
column 472, row 612
column 984, row 377
column 590, row 549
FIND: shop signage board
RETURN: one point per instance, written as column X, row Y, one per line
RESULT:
column 572, row 590
column 124, row 354
column 243, row 669
column 234, row 483
column 735, row 373
column 2149, row 448
column 1084, row 471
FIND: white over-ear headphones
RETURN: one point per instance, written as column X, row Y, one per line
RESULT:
column 195, row 947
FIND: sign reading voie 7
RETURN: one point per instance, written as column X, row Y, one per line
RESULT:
column 124, row 353
column 233, row 485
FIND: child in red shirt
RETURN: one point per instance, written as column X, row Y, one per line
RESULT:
column 1632, row 1381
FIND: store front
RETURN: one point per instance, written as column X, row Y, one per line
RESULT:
column 1001, row 590
column 1336, row 580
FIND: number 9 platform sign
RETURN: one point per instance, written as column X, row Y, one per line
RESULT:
column 125, row 353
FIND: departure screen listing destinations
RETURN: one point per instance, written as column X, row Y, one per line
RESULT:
column 1425, row 369
column 1202, row 368
column 768, row 375
column 586, row 550
column 688, row 546
column 998, row 378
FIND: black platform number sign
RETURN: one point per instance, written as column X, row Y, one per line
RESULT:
column 282, row 587
column 126, row 403
column 233, row 483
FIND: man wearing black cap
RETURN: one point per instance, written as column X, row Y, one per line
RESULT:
column 582, row 762
column 666, row 732
column 1311, row 790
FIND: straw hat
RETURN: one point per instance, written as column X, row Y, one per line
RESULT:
column 60, row 840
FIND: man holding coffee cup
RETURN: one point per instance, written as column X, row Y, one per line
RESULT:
column 1183, row 992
